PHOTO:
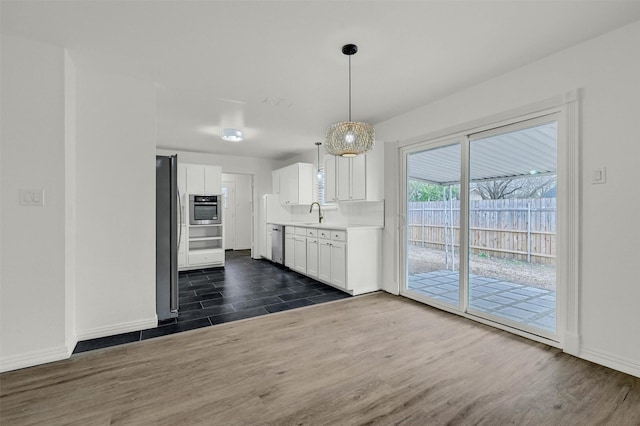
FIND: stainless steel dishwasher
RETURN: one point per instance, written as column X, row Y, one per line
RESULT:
column 277, row 243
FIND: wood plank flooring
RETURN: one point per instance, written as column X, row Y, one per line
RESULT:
column 376, row 359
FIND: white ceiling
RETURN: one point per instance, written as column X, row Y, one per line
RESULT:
column 275, row 69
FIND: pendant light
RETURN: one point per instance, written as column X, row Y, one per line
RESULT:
column 349, row 138
column 319, row 167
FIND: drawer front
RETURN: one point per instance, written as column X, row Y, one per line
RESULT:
column 338, row 235
column 301, row 231
column 289, row 230
column 324, row 233
column 204, row 258
column 312, row 232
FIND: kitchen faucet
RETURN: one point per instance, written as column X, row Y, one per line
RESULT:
column 319, row 211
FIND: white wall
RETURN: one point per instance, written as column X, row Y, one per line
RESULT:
column 607, row 68
column 258, row 167
column 116, row 204
column 70, row 171
column 33, row 289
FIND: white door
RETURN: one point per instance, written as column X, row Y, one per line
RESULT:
column 237, row 193
column 243, row 213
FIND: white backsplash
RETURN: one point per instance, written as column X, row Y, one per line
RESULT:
column 351, row 213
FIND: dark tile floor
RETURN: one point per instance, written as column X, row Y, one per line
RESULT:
column 244, row 288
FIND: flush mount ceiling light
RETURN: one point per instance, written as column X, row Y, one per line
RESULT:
column 349, row 138
column 232, row 135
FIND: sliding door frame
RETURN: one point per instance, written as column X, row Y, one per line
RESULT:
column 567, row 109
column 404, row 153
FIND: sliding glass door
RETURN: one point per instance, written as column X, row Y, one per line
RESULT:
column 433, row 224
column 512, row 225
column 499, row 262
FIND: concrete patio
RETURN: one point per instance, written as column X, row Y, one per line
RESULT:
column 517, row 302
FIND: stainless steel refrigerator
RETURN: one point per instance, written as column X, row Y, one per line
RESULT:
column 167, row 236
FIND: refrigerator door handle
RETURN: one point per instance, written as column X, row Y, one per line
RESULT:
column 173, row 291
column 179, row 220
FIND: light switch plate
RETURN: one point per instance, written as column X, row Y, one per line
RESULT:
column 32, row 197
column 599, row 175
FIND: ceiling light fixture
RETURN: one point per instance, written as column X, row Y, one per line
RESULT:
column 232, row 135
column 349, row 138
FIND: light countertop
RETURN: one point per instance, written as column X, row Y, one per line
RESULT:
column 326, row 225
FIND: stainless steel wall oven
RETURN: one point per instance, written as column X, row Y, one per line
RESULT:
column 205, row 210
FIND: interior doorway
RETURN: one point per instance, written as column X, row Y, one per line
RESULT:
column 238, row 211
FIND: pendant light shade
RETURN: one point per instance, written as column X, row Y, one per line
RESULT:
column 349, row 138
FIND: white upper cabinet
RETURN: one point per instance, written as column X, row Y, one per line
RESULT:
column 295, row 184
column 195, row 179
column 275, row 182
column 203, row 179
column 212, row 180
column 182, row 178
column 359, row 178
column 330, row 179
column 345, row 178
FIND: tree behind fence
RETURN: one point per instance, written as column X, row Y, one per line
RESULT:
column 520, row 229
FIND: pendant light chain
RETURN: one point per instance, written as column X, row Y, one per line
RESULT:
column 349, row 87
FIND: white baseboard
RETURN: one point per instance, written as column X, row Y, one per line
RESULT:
column 124, row 327
column 29, row 359
column 612, row 361
column 571, row 344
column 71, row 343
column 395, row 289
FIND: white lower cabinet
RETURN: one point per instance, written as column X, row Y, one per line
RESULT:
column 201, row 246
column 289, row 250
column 339, row 264
column 346, row 259
column 205, row 257
column 268, row 247
column 300, row 254
column 312, row 257
column 324, row 260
